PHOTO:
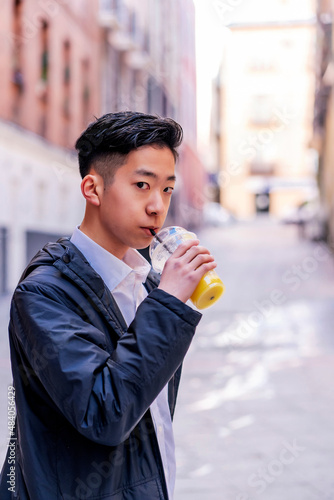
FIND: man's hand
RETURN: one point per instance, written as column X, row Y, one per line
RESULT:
column 184, row 269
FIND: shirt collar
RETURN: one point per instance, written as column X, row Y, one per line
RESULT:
column 111, row 269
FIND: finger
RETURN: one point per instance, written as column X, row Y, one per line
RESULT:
column 193, row 252
column 200, row 259
column 204, row 268
column 184, row 247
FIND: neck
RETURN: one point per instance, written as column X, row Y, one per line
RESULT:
column 92, row 228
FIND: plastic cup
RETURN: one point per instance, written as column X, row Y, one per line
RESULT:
column 209, row 289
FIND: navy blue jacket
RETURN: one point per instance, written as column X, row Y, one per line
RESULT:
column 85, row 381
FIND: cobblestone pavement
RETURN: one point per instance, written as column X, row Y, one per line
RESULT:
column 254, row 418
column 255, row 413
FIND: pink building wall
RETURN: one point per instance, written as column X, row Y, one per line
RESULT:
column 39, row 106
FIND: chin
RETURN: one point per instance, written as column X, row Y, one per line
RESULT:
column 141, row 246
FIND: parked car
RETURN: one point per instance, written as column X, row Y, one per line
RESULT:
column 216, row 215
column 308, row 218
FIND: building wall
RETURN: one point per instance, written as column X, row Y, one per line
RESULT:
column 149, row 65
column 62, row 63
column 266, row 105
column 50, row 66
column 41, row 196
column 324, row 116
column 50, row 90
column 327, row 179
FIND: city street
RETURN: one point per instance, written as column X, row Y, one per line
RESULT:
column 254, row 418
column 256, row 403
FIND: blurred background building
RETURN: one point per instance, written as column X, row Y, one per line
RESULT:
column 64, row 62
column 149, row 64
column 263, row 112
column 324, row 114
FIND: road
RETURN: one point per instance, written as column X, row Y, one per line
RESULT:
column 256, row 403
column 254, row 418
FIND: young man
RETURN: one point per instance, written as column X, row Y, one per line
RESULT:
column 97, row 343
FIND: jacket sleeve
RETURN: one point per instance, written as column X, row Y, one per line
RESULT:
column 102, row 394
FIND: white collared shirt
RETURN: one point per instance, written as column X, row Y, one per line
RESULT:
column 125, row 279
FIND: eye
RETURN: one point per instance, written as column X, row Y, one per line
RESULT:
column 142, row 185
column 168, row 190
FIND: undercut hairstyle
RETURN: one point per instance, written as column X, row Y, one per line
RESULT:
column 106, row 142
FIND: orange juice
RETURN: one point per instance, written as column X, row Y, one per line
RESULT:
column 209, row 289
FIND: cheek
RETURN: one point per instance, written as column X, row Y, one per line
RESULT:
column 124, row 212
column 167, row 202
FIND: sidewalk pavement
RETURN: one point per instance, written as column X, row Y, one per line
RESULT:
column 254, row 418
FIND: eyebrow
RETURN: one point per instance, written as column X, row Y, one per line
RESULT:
column 149, row 173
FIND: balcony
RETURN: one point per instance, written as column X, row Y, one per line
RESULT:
column 121, row 41
column 137, row 59
column 124, row 33
column 108, row 14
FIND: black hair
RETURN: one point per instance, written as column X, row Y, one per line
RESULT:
column 107, row 141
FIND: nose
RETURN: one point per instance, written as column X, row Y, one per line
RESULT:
column 155, row 205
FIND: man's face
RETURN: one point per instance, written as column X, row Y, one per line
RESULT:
column 137, row 199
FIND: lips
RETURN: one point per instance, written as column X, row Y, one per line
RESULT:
column 148, row 229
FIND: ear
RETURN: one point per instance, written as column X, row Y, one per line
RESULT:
column 91, row 188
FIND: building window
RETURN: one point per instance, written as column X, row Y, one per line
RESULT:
column 261, row 62
column 86, row 93
column 66, row 108
column 133, row 24
column 262, row 168
column 262, row 202
column 45, row 66
column 45, row 53
column 66, row 79
column 3, row 259
column 17, row 73
column 67, row 68
column 261, row 110
column 115, row 5
column 42, row 87
column 264, row 161
column 156, row 98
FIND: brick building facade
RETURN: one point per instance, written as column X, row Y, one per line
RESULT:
column 265, row 95
column 64, row 62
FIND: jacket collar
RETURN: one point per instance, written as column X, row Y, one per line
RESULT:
column 65, row 256
column 68, row 259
